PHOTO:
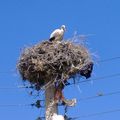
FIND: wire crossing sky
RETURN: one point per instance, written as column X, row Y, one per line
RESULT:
column 83, row 81
column 24, row 23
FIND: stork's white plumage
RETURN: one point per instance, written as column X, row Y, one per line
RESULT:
column 57, row 35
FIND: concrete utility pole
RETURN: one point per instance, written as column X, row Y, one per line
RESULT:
column 51, row 106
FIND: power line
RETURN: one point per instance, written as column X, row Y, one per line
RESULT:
column 36, row 104
column 20, row 105
column 81, row 99
column 83, row 81
column 14, row 105
column 10, row 71
column 97, row 114
column 97, row 78
column 93, row 114
column 100, row 95
column 109, row 59
column 16, row 87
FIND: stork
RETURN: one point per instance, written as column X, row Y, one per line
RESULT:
column 57, row 35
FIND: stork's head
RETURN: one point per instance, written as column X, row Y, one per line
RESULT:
column 63, row 27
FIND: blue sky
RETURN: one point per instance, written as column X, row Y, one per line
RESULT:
column 27, row 22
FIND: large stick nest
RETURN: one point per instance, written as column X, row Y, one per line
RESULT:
column 54, row 61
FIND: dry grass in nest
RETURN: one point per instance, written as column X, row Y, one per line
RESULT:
column 53, row 61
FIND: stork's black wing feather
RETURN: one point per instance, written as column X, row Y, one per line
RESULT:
column 51, row 39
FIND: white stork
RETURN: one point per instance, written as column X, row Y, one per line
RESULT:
column 57, row 35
